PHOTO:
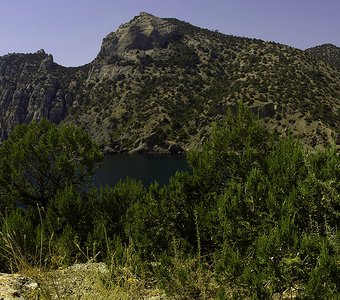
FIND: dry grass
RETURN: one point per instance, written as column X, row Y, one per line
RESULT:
column 92, row 281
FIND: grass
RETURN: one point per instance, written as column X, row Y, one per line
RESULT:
column 185, row 279
column 124, row 276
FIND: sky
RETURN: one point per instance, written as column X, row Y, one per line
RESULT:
column 72, row 30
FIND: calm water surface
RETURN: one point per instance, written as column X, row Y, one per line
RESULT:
column 147, row 168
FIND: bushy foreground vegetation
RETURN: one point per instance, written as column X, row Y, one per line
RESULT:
column 257, row 216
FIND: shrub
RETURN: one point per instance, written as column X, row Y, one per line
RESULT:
column 39, row 159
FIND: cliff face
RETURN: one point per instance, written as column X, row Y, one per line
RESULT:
column 32, row 87
column 158, row 84
column 144, row 32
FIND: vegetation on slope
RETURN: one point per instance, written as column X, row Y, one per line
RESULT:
column 327, row 53
column 174, row 93
column 168, row 88
column 257, row 217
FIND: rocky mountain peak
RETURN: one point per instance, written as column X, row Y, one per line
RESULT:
column 143, row 32
column 41, row 51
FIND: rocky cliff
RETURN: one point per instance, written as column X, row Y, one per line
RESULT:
column 158, row 84
column 32, row 87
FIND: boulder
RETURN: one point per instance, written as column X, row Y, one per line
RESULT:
column 160, row 150
column 14, row 286
column 142, row 148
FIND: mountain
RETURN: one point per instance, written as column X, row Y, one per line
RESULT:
column 157, row 85
column 328, row 53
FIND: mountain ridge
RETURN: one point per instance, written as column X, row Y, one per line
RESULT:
column 328, row 53
column 157, row 84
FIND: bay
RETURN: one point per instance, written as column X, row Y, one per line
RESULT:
column 146, row 168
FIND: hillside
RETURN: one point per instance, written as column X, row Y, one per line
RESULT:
column 158, row 84
column 328, row 53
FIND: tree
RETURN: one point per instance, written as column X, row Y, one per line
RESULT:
column 236, row 145
column 268, row 210
column 40, row 159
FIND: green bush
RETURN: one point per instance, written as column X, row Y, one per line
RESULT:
column 17, row 241
column 256, row 217
column 39, row 159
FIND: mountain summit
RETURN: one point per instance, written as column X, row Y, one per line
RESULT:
column 329, row 53
column 158, row 84
column 144, row 32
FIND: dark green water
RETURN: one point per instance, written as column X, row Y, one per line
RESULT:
column 147, row 168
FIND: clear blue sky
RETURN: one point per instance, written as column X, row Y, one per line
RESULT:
column 72, row 30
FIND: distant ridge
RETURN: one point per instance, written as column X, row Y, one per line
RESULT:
column 329, row 53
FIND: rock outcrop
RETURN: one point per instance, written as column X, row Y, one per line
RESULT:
column 33, row 87
column 15, row 286
column 144, row 32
